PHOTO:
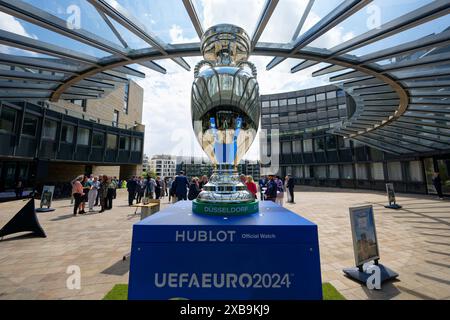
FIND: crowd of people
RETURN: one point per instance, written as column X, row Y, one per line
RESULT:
column 95, row 190
column 140, row 187
column 101, row 190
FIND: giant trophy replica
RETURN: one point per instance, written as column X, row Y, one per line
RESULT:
column 225, row 116
column 224, row 244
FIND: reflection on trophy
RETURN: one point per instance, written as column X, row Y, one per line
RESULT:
column 225, row 117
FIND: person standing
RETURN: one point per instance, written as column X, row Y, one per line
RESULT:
column 202, row 183
column 251, row 186
column 103, row 192
column 19, row 189
column 158, row 188
column 93, row 192
column 77, row 193
column 271, row 191
column 169, row 186
column 140, row 189
column 180, row 186
column 150, row 188
column 110, row 194
column 194, row 189
column 115, row 185
column 280, row 190
column 86, row 187
column 290, row 187
column 131, row 188
column 437, row 183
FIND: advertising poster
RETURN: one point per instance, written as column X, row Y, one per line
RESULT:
column 47, row 196
column 364, row 234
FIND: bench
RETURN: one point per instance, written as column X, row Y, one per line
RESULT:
column 147, row 209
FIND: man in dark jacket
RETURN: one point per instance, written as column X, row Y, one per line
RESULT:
column 131, row 187
column 271, row 192
column 437, row 183
column 180, row 185
column 290, row 187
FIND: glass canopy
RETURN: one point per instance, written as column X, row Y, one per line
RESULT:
column 392, row 57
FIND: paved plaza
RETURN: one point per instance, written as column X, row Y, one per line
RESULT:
column 414, row 241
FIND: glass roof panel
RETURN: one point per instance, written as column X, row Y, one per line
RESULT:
column 435, row 26
column 243, row 13
column 287, row 15
column 42, row 34
column 79, row 13
column 370, row 17
column 167, row 19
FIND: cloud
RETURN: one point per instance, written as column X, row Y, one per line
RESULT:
column 11, row 24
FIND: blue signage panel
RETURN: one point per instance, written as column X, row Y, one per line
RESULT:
column 273, row 254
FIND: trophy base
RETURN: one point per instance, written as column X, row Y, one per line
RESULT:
column 225, row 208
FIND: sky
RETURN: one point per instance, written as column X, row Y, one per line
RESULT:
column 166, row 109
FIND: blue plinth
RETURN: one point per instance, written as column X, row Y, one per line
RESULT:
column 273, row 254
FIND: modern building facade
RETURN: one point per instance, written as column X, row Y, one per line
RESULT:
column 163, row 165
column 315, row 156
column 42, row 142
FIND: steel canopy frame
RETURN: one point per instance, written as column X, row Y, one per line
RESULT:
column 383, row 93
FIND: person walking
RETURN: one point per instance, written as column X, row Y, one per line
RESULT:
column 194, row 189
column 180, row 186
column 271, row 191
column 158, row 188
column 290, row 188
column 280, row 190
column 437, row 183
column 86, row 187
column 77, row 193
column 131, row 188
column 251, row 186
column 103, row 192
column 93, row 192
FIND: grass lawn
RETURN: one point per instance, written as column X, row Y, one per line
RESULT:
column 120, row 292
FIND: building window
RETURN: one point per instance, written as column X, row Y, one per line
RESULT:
column 7, row 120
column 320, row 97
column 283, row 102
column 297, row 146
column 301, row 100
column 340, row 93
column 286, row 147
column 320, row 172
column 331, row 95
column 334, row 171
column 274, row 103
column 415, row 171
column 330, row 142
column 115, row 121
column 311, row 98
column 319, row 144
column 343, row 143
column 83, row 137
column 136, row 144
column 49, row 132
column 125, row 97
column 298, row 172
column 307, row 145
column 111, row 141
column 265, row 104
column 67, row 133
column 361, row 171
column 377, row 171
column 98, row 139
column 291, row 102
column 347, row 171
column 30, row 124
column 80, row 102
column 394, row 171
column 124, row 143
